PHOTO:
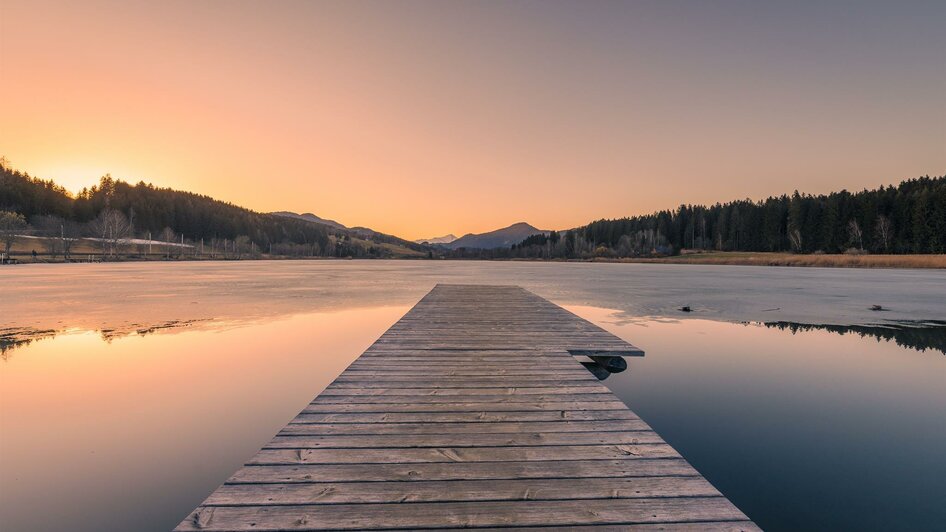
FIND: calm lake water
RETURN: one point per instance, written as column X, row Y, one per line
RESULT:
column 128, row 392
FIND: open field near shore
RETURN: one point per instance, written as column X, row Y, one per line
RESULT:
column 790, row 259
column 84, row 248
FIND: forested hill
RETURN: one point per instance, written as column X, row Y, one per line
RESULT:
column 908, row 218
column 160, row 212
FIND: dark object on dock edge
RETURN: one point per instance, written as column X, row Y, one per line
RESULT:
column 611, row 363
column 603, row 366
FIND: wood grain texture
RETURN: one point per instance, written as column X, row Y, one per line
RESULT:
column 310, row 473
column 470, row 412
column 462, row 514
column 471, row 490
column 460, row 428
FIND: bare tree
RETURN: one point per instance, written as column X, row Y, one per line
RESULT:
column 59, row 235
column 794, row 238
column 167, row 235
column 111, row 228
column 10, row 224
column 884, row 231
column 50, row 228
column 69, row 233
column 854, row 230
column 241, row 245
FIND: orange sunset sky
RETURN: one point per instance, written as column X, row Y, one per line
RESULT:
column 423, row 118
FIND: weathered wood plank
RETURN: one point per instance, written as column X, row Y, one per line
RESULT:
column 521, row 406
column 578, row 380
column 452, row 417
column 544, row 427
column 375, row 441
column 503, row 381
column 462, row 514
column 704, row 526
column 333, row 391
column 462, row 471
column 496, row 358
column 462, row 454
column 472, row 490
column 511, row 399
column 437, row 373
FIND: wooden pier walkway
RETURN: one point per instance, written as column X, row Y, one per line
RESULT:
column 470, row 412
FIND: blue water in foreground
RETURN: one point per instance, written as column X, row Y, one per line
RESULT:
column 805, row 431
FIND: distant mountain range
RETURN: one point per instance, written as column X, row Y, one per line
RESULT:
column 500, row 238
column 400, row 245
column 445, row 239
column 202, row 218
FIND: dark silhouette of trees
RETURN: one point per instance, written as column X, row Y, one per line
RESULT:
column 908, row 218
column 151, row 209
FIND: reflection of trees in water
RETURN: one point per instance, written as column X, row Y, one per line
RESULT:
column 10, row 339
column 16, row 337
column 141, row 330
column 915, row 335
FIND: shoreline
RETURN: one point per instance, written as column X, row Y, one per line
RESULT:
column 866, row 261
column 869, row 261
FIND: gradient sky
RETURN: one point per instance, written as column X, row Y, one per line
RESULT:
column 422, row 118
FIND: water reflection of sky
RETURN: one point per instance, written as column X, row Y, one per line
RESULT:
column 812, row 430
column 129, row 392
column 133, row 433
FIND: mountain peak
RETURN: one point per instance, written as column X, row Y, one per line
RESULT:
column 445, row 239
column 500, row 238
column 523, row 225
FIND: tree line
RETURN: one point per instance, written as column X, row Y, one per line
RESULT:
column 907, row 218
column 114, row 212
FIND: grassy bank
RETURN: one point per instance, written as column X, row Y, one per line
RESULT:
column 85, row 250
column 790, row 259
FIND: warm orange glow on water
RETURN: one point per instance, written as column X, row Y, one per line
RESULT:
column 79, row 419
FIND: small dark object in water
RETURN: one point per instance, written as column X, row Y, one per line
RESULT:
column 686, row 308
column 876, row 307
column 611, row 363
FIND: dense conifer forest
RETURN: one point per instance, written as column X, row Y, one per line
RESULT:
column 908, row 218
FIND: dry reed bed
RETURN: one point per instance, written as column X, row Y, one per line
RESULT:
column 816, row 261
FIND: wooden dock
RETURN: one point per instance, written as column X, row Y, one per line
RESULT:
column 470, row 412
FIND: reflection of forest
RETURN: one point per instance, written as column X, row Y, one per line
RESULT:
column 15, row 337
column 10, row 339
column 920, row 336
column 915, row 335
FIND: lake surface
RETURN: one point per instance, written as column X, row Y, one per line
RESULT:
column 128, row 392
